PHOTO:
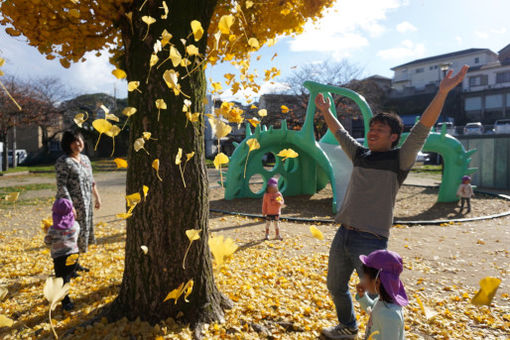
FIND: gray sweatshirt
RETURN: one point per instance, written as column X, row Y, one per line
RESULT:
column 376, row 177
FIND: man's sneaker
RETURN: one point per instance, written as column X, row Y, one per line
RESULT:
column 340, row 332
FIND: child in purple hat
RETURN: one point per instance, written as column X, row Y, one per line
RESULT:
column 465, row 192
column 271, row 207
column 62, row 237
column 381, row 270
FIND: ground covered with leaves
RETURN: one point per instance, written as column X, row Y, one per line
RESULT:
column 278, row 287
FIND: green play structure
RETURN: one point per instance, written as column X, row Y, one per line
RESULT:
column 322, row 162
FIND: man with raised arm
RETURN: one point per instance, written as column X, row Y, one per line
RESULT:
column 366, row 214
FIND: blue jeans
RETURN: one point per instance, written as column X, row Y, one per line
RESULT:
column 344, row 254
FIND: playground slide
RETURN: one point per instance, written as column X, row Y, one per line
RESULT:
column 342, row 168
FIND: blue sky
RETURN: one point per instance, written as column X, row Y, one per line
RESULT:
column 373, row 34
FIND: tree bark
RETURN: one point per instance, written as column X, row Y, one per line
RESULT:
column 160, row 221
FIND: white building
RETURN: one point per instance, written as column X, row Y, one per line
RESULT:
column 426, row 73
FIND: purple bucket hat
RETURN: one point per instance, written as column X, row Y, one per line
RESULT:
column 466, row 178
column 63, row 217
column 272, row 182
column 390, row 265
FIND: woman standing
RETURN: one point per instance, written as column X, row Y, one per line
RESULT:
column 76, row 183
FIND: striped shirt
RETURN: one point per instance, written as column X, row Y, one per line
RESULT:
column 63, row 242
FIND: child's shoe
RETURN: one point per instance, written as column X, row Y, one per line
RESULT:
column 279, row 238
column 266, row 237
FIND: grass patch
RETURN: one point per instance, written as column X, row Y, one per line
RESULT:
column 28, row 202
column 28, row 187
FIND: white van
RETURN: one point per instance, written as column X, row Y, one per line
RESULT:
column 502, row 126
column 473, row 129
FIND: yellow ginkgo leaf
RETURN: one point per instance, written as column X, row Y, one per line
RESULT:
column 253, row 107
column 145, row 190
column 193, row 117
column 12, row 197
column 54, row 291
column 72, row 259
column 287, row 153
column 155, row 166
column 253, row 121
column 175, row 56
column 129, row 111
column 80, row 118
column 111, row 116
column 144, row 249
column 171, row 78
column 178, row 157
column 316, row 233
column 225, row 23
column 248, row 4
column 372, row 335
column 153, row 61
column 192, row 50
column 220, row 128
column 221, row 248
column 193, row 234
column 124, row 216
column 188, row 288
column 253, row 42
column 133, row 85
column 220, row 159
column 139, row 144
column 46, row 223
column 253, row 144
column 119, row 74
column 149, row 21
column 270, row 42
column 196, row 28
column 488, row 287
column 190, row 155
column 165, row 38
column 262, row 112
column 105, row 109
column 429, row 314
column 5, row 321
column 121, row 163
column 284, row 109
column 160, row 105
column 133, row 199
column 146, row 135
column 175, row 294
column 102, row 126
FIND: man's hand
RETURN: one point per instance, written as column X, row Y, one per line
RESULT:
column 449, row 82
column 321, row 104
column 360, row 290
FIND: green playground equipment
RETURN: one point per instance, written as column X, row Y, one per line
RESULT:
column 322, row 162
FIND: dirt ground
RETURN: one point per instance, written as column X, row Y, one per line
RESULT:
column 439, row 260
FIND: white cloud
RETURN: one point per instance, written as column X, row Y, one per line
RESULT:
column 406, row 50
column 346, row 26
column 481, row 35
column 405, row 27
column 266, row 87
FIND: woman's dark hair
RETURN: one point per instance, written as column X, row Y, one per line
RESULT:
column 372, row 273
column 393, row 121
column 68, row 138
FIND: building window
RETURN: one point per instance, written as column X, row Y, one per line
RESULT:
column 420, row 70
column 435, row 67
column 503, row 77
column 508, row 100
column 478, row 80
column 477, row 60
column 473, row 104
column 431, row 67
column 494, row 101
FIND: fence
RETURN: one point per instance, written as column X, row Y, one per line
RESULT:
column 492, row 160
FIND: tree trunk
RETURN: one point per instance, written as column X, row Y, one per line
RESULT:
column 160, row 221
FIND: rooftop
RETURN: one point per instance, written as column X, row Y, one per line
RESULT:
column 444, row 56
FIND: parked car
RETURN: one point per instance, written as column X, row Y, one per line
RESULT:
column 422, row 157
column 450, row 128
column 502, row 126
column 21, row 156
column 473, row 129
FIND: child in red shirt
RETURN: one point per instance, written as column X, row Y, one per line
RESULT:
column 271, row 207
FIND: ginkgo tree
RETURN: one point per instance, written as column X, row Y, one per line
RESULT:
column 162, row 48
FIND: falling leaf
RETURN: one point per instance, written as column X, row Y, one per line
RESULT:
column 5, row 321
column 196, row 28
column 160, row 105
column 219, row 128
column 133, row 85
column 253, row 144
column 178, row 161
column 488, row 287
column 221, row 248
column 128, row 112
column 155, row 166
column 153, row 61
column 121, row 163
column 46, row 223
column 188, row 288
column 146, row 135
column 216, row 87
column 190, row 156
column 171, row 78
column 165, row 38
column 145, row 190
column 253, row 107
column 112, row 117
column 192, row 50
column 316, row 233
column 287, row 153
column 175, row 294
column 149, row 21
column 262, row 112
column 133, row 199
column 220, row 159
column 144, row 249
column 225, row 23
column 139, row 144
column 80, row 118
column 72, row 259
column 254, row 121
column 253, row 42
column 165, row 9
column 429, row 314
column 175, row 56
column 284, row 109
column 274, row 56
column 193, row 235
column 372, row 335
column 119, row 74
column 54, row 291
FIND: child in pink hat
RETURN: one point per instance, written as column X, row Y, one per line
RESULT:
column 271, row 207
column 381, row 270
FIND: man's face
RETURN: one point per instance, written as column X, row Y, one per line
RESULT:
column 380, row 137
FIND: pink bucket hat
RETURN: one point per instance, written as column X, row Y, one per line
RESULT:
column 390, row 266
